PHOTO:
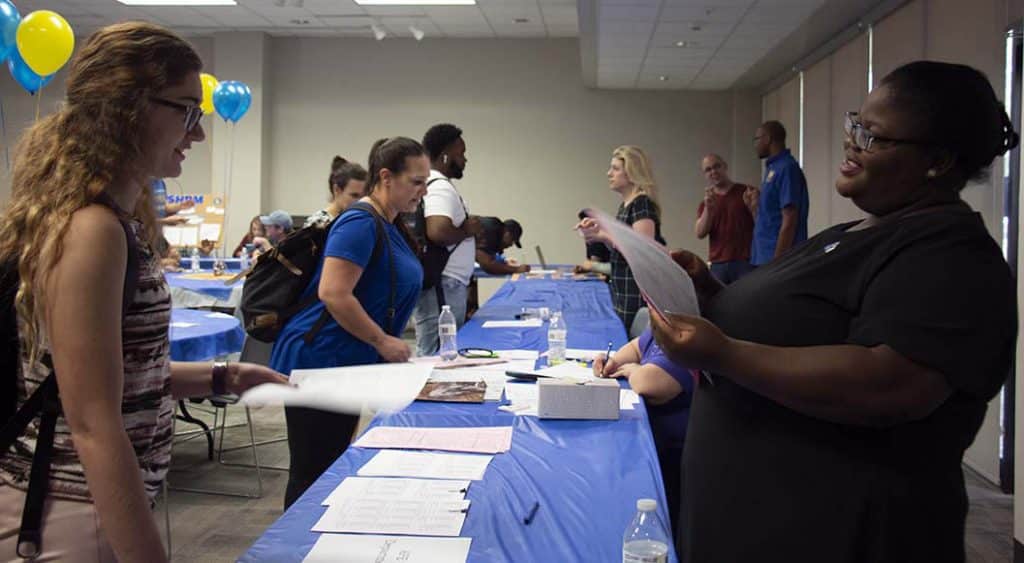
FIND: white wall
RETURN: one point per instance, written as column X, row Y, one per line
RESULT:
column 539, row 142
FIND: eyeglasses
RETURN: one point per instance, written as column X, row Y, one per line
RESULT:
column 864, row 139
column 192, row 113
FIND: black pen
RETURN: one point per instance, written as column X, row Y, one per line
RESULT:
column 533, row 512
column 607, row 356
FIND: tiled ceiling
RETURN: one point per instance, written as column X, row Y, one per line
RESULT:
column 332, row 18
column 686, row 44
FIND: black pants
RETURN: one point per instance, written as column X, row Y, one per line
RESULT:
column 670, row 460
column 315, row 440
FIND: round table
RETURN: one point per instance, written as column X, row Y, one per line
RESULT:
column 203, row 335
column 211, row 292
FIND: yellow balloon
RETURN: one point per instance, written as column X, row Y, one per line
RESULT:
column 209, row 85
column 45, row 41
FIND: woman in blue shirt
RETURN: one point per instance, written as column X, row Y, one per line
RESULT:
column 355, row 287
column 667, row 389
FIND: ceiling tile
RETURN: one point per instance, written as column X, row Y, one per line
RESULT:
column 233, row 16
column 333, row 8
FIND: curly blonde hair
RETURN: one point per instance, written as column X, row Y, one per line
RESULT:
column 68, row 158
column 638, row 170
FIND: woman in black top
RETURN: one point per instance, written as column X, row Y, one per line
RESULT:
column 850, row 374
column 631, row 177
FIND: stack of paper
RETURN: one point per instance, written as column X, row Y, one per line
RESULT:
column 482, row 440
column 396, row 487
column 381, row 515
column 523, row 399
column 493, row 375
column 345, row 548
column 397, row 463
column 569, row 370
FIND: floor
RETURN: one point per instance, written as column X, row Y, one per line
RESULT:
column 209, row 528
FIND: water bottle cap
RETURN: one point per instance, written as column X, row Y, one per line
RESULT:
column 446, row 307
column 646, row 505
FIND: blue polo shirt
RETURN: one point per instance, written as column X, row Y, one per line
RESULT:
column 783, row 185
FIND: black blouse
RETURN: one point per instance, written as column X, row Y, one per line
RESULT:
column 765, row 483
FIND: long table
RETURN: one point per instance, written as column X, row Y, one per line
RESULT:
column 586, row 475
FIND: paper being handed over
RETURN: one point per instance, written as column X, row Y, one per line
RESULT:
column 664, row 285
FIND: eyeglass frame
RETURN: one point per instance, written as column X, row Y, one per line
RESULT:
column 850, row 125
column 193, row 113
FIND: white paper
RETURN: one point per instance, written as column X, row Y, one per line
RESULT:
column 417, row 517
column 173, row 235
column 584, row 355
column 349, row 548
column 569, row 370
column 628, row 399
column 426, row 465
column 531, row 355
column 663, row 282
column 397, row 487
column 493, row 375
column 522, row 398
column 189, row 236
column 209, row 231
column 524, row 323
column 380, row 387
column 471, row 439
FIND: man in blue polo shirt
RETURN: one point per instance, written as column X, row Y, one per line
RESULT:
column 780, row 212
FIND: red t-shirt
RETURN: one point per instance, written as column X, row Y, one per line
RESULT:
column 732, row 227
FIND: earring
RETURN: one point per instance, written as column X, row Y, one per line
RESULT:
column 931, row 173
column 444, row 158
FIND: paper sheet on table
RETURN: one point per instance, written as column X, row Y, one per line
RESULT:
column 173, row 235
column 522, row 398
column 628, row 399
column 584, row 355
column 379, row 515
column 380, row 387
column 524, row 323
column 209, row 231
column 190, row 236
column 470, row 439
column 531, row 355
column 426, row 465
column 493, row 375
column 568, row 370
column 664, row 284
column 396, row 487
column 349, row 548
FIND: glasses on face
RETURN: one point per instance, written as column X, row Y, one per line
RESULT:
column 864, row 139
column 192, row 113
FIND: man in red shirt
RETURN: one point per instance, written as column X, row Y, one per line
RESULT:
column 726, row 216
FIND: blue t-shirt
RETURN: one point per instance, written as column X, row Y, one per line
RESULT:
column 784, row 185
column 668, row 420
column 352, row 238
column 159, row 190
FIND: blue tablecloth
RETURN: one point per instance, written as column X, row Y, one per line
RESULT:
column 586, row 475
column 207, row 263
column 214, row 334
column 213, row 288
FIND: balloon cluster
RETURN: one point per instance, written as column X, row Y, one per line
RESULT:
column 231, row 98
column 35, row 47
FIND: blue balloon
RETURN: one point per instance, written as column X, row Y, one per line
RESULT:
column 24, row 75
column 232, row 99
column 9, row 20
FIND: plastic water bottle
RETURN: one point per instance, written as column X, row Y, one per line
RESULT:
column 193, row 260
column 557, row 332
column 243, row 262
column 446, row 332
column 645, row 540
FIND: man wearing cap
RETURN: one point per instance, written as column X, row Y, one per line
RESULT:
column 495, row 236
column 278, row 225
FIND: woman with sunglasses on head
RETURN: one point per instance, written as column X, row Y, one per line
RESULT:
column 366, row 292
column 100, row 320
column 850, row 374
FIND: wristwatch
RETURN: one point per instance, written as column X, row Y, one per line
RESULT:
column 219, row 381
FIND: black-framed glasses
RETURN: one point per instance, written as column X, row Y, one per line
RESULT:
column 865, row 139
column 192, row 113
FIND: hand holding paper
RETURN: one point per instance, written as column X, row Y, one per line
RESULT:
column 692, row 341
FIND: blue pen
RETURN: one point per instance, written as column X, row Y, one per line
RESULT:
column 607, row 355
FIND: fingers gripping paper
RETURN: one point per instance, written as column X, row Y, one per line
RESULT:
column 664, row 285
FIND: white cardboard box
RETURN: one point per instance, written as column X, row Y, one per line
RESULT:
column 563, row 398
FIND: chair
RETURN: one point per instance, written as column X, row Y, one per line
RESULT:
column 641, row 321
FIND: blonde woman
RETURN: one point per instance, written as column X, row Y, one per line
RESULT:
column 630, row 176
column 80, row 227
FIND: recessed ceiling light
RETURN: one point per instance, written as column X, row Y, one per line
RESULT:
column 416, row 2
column 178, row 2
column 663, row 78
column 681, row 43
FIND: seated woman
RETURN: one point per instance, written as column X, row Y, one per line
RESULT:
column 667, row 389
column 256, row 229
column 347, row 183
column 365, row 299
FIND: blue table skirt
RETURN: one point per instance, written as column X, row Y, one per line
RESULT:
column 207, row 263
column 586, row 475
column 215, row 335
column 213, row 288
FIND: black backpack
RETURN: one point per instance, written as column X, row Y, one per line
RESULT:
column 432, row 257
column 45, row 400
column 273, row 288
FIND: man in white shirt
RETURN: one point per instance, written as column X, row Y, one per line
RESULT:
column 448, row 224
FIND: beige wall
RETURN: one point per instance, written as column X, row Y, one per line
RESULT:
column 539, row 142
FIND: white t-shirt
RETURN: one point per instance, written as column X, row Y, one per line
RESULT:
column 443, row 199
